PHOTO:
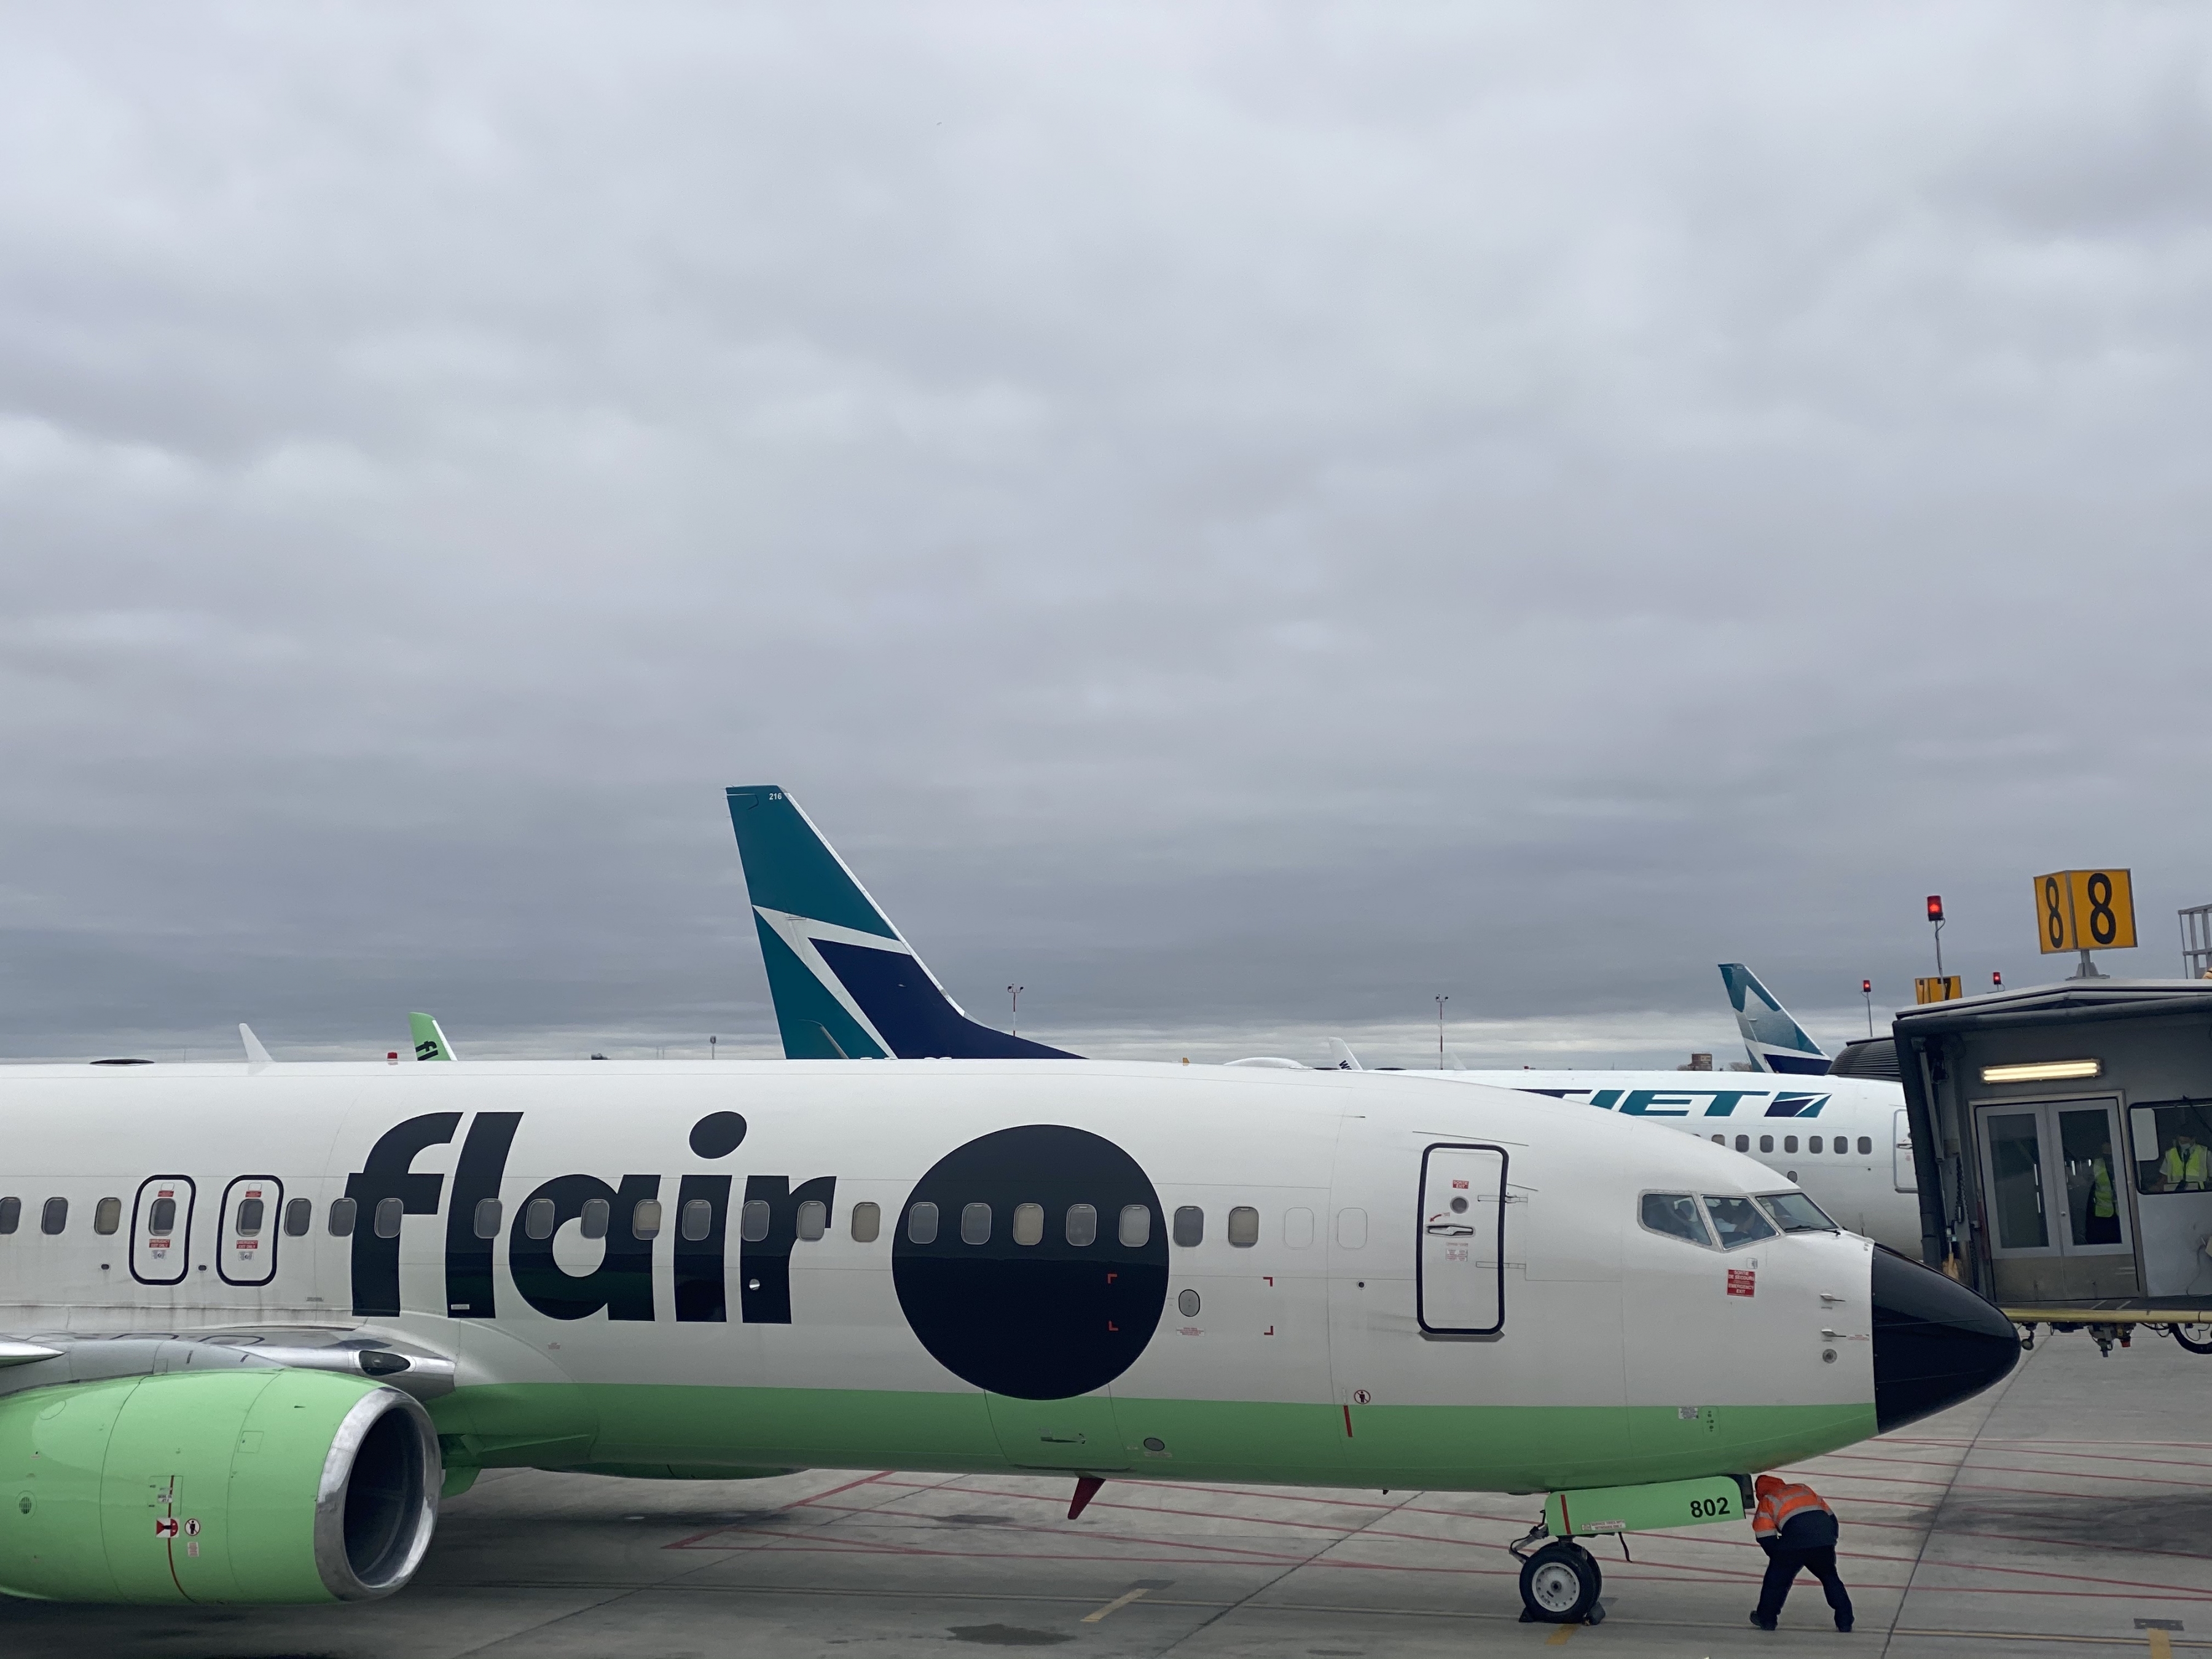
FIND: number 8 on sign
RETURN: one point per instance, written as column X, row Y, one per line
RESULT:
column 2086, row 910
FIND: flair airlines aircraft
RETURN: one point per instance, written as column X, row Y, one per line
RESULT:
column 846, row 981
column 259, row 1316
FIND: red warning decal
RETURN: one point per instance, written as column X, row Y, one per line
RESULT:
column 165, row 1527
column 1742, row 1281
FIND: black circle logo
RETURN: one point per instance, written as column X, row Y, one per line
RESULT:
column 717, row 1135
column 1032, row 1262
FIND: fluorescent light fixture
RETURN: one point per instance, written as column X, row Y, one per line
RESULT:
column 2044, row 1071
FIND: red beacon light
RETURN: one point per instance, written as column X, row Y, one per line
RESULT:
column 1866, row 987
column 1935, row 907
column 1996, row 981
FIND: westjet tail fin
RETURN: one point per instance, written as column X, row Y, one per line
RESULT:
column 429, row 1038
column 846, row 984
column 1775, row 1042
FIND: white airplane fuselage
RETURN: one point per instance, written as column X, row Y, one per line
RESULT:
column 1842, row 1139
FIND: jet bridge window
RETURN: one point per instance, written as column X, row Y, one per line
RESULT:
column 54, row 1217
column 1737, row 1220
column 2172, row 1147
column 11, row 1214
column 1676, row 1215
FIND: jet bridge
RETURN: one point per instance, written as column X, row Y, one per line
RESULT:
column 2062, row 1135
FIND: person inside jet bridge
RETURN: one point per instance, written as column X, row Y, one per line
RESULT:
column 1798, row 1531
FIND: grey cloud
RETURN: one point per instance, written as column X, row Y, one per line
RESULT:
column 1244, row 519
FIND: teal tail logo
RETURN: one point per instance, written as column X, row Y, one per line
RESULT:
column 1775, row 1040
column 846, row 983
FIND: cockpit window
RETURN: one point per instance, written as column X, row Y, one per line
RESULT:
column 1794, row 1212
column 1675, row 1214
column 1737, row 1220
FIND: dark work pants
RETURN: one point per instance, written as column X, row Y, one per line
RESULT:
column 1782, row 1566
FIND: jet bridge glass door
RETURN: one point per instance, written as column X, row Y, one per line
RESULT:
column 1460, row 1267
column 2056, row 1199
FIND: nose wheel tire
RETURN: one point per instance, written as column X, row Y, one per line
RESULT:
column 1559, row 1584
column 2197, row 1338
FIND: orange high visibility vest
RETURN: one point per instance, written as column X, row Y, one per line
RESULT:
column 1775, row 1509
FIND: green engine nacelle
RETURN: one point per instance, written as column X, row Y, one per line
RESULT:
column 253, row 1484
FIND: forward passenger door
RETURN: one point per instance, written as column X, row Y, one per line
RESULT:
column 1459, row 1268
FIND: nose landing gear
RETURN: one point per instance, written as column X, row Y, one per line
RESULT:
column 1559, row 1582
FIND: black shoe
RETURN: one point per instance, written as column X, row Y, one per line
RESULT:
column 1764, row 1624
column 1844, row 1625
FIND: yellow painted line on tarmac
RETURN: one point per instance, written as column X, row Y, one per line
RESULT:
column 2162, row 1645
column 1560, row 1638
column 1118, row 1602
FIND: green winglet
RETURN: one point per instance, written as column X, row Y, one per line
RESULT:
column 429, row 1042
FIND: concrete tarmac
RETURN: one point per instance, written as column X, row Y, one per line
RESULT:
column 2067, row 1512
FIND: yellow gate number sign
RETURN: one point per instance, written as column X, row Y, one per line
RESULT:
column 1946, row 989
column 2085, row 910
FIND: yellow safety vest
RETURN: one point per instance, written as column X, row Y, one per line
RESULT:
column 2100, row 1191
column 2190, row 1171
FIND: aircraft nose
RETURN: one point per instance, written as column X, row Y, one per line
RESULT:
column 1935, row 1342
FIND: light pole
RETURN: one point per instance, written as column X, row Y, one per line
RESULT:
column 1015, row 992
column 711, row 1055
column 1866, row 990
column 1440, row 1031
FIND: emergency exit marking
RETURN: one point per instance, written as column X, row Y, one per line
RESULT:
column 2085, row 910
column 1742, row 1281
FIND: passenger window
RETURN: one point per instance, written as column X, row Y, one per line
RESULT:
column 11, row 1214
column 1813, row 1145
column 1351, row 1229
column 596, row 1211
column 489, row 1213
column 752, row 1220
column 1789, row 1143
column 1720, row 1140
column 1743, row 1143
column 107, row 1215
column 1299, row 1228
column 340, row 1219
column 1244, row 1226
column 1675, row 1214
column 921, row 1223
column 1866, row 1146
column 298, row 1215
column 1136, row 1230
column 1189, row 1226
column 1737, row 1221
column 55, row 1216
column 976, row 1223
column 645, row 1219
column 813, row 1219
column 698, row 1219
column 1029, row 1224
column 390, row 1210
column 1766, row 1143
column 867, row 1222
column 536, row 1220
column 1082, row 1227
column 252, row 1212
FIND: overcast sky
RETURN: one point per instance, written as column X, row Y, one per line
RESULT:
column 1241, row 519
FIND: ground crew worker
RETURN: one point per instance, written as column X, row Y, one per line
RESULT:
column 2184, row 1169
column 2104, row 1208
column 1798, row 1532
